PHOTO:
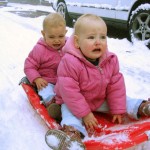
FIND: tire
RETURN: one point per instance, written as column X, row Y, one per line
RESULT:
column 62, row 9
column 139, row 24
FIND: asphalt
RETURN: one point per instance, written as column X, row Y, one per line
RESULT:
column 31, row 14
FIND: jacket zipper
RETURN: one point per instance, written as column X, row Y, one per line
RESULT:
column 101, row 72
column 100, row 69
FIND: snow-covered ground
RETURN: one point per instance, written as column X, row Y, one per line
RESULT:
column 20, row 126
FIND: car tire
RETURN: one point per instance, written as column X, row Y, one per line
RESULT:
column 139, row 24
column 62, row 9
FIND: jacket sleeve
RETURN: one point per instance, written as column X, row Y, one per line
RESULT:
column 68, row 87
column 116, row 92
column 31, row 64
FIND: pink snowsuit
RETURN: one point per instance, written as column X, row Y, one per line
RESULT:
column 43, row 62
column 83, row 87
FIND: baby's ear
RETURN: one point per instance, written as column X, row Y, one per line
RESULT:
column 66, row 30
column 76, row 41
column 42, row 32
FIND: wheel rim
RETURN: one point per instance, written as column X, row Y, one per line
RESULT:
column 61, row 10
column 141, row 26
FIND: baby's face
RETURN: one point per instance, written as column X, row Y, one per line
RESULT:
column 55, row 36
column 92, row 40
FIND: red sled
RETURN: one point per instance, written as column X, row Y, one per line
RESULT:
column 108, row 136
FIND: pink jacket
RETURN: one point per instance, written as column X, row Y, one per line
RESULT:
column 43, row 62
column 83, row 87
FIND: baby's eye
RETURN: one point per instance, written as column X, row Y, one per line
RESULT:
column 103, row 37
column 61, row 36
column 51, row 37
column 91, row 37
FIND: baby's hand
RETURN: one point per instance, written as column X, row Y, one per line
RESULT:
column 117, row 118
column 40, row 83
column 90, row 121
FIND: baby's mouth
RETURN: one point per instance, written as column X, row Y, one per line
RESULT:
column 97, row 50
column 56, row 45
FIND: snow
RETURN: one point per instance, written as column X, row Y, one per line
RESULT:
column 148, row 134
column 53, row 139
column 21, row 128
column 74, row 146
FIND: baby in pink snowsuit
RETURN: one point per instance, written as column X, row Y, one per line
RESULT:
column 42, row 62
column 89, row 80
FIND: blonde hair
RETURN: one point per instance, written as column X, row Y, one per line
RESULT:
column 53, row 20
column 82, row 21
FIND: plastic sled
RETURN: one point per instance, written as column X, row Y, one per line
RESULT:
column 108, row 136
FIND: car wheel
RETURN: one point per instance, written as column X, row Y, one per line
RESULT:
column 62, row 9
column 139, row 24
